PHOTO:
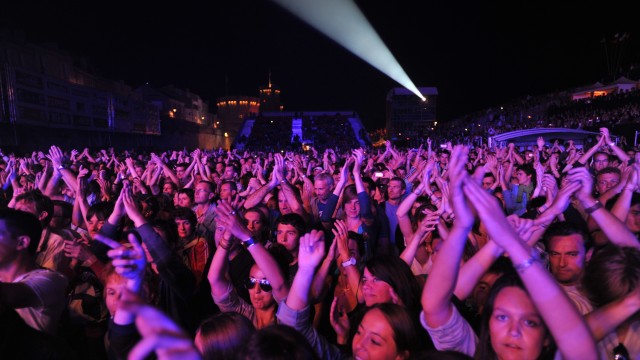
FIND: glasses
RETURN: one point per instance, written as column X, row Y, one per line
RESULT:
column 265, row 285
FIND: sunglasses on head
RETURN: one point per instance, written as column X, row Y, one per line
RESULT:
column 265, row 285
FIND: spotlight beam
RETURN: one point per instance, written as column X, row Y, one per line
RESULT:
column 342, row 21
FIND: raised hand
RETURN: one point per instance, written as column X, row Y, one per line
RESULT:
column 311, row 251
column 227, row 218
column 56, row 156
column 581, row 175
column 458, row 175
column 159, row 333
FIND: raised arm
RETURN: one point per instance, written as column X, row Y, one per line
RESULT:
column 614, row 229
column 227, row 217
column 309, row 257
column 436, row 296
column 255, row 198
column 563, row 320
column 614, row 147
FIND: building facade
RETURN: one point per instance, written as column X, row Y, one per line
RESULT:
column 408, row 117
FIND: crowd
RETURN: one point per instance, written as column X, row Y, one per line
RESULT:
column 542, row 111
column 388, row 253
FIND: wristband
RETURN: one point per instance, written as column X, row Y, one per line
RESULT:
column 350, row 262
column 593, row 208
column 248, row 243
column 61, row 167
column 523, row 266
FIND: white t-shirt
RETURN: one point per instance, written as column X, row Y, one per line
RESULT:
column 50, row 287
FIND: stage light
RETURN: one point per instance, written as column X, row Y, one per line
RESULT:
column 342, row 21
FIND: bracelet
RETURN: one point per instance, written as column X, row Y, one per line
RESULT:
column 61, row 167
column 612, row 143
column 593, row 208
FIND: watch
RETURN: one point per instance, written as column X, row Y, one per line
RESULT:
column 350, row 262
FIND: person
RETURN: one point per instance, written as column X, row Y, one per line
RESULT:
column 256, row 219
column 356, row 206
column 266, row 283
column 50, row 248
column 37, row 295
column 223, row 336
column 517, row 319
column 204, row 208
column 612, row 282
column 385, row 332
column 277, row 342
column 567, row 250
column 323, row 186
column 516, row 196
column 289, row 228
column 194, row 248
column 185, row 198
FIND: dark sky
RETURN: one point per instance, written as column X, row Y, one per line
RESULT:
column 477, row 55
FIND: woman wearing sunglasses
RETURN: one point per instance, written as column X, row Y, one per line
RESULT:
column 266, row 284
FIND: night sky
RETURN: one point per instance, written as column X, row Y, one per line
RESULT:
column 478, row 55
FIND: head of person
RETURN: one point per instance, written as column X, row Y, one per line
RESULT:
column 633, row 217
column 443, row 158
column 277, row 342
column 386, row 332
column 355, row 245
column 223, row 336
column 258, row 223
column 97, row 215
column 169, row 188
column 185, row 197
column 219, row 168
column 62, row 212
column 525, row 174
column 36, row 203
column 149, row 206
column 323, row 184
column 289, row 229
column 512, row 327
column 388, row 279
column 607, row 178
column 228, row 189
column 369, row 186
column 186, row 221
column 20, row 233
column 260, row 290
column 283, row 204
column 487, row 180
column 114, row 286
column 230, row 171
column 180, row 170
column 396, row 188
column 567, row 246
column 350, row 202
column 600, row 161
column 483, row 287
column 612, row 273
column 139, row 167
column 204, row 192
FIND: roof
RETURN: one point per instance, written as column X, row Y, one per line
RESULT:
column 405, row 91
